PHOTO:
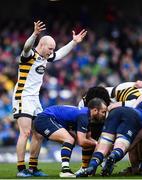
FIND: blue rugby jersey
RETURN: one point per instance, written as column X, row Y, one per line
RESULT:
column 67, row 116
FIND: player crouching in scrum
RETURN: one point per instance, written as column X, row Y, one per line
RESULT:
column 55, row 121
column 120, row 129
column 123, row 94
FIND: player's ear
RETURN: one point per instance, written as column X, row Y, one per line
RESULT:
column 95, row 110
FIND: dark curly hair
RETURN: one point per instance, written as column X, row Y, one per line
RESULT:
column 96, row 92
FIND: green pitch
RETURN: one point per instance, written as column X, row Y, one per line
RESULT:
column 8, row 171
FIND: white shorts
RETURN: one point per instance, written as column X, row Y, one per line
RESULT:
column 28, row 106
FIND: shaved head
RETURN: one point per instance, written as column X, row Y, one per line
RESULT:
column 47, row 40
column 46, row 46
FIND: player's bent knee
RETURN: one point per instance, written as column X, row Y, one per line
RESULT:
column 37, row 136
column 122, row 142
column 106, row 138
column 70, row 140
column 25, row 133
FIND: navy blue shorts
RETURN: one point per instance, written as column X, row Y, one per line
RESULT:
column 123, row 120
column 46, row 125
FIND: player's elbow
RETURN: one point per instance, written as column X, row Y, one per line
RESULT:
column 26, row 49
column 81, row 142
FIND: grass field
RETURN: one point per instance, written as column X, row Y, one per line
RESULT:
column 8, row 171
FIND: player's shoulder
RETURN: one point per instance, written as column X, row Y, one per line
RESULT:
column 52, row 57
column 83, row 110
column 27, row 54
column 125, row 85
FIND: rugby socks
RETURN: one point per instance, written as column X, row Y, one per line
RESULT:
column 21, row 165
column 117, row 154
column 33, row 162
column 96, row 160
column 86, row 156
column 66, row 152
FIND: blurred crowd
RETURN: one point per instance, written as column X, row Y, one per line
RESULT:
column 110, row 54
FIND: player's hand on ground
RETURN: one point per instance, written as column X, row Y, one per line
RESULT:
column 39, row 26
column 79, row 37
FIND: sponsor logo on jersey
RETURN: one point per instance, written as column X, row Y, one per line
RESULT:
column 129, row 133
column 84, row 128
column 39, row 58
column 46, row 132
column 40, row 69
column 14, row 110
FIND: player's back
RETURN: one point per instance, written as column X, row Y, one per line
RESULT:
column 124, row 92
column 65, row 114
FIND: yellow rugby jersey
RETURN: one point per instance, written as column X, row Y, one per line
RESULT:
column 30, row 75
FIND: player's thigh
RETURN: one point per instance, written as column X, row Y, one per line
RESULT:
column 128, row 129
column 45, row 125
column 24, row 124
column 112, row 121
column 48, row 127
column 61, row 135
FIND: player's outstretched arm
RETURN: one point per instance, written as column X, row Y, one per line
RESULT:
column 39, row 26
column 77, row 38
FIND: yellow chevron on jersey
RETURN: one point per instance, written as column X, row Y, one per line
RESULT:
column 127, row 94
column 122, row 94
column 19, row 88
column 22, row 81
column 30, row 75
column 23, row 74
column 25, row 67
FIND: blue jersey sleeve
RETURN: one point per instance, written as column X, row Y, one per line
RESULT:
column 82, row 123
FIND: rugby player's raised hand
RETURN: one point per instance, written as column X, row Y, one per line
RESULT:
column 39, row 26
column 79, row 37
